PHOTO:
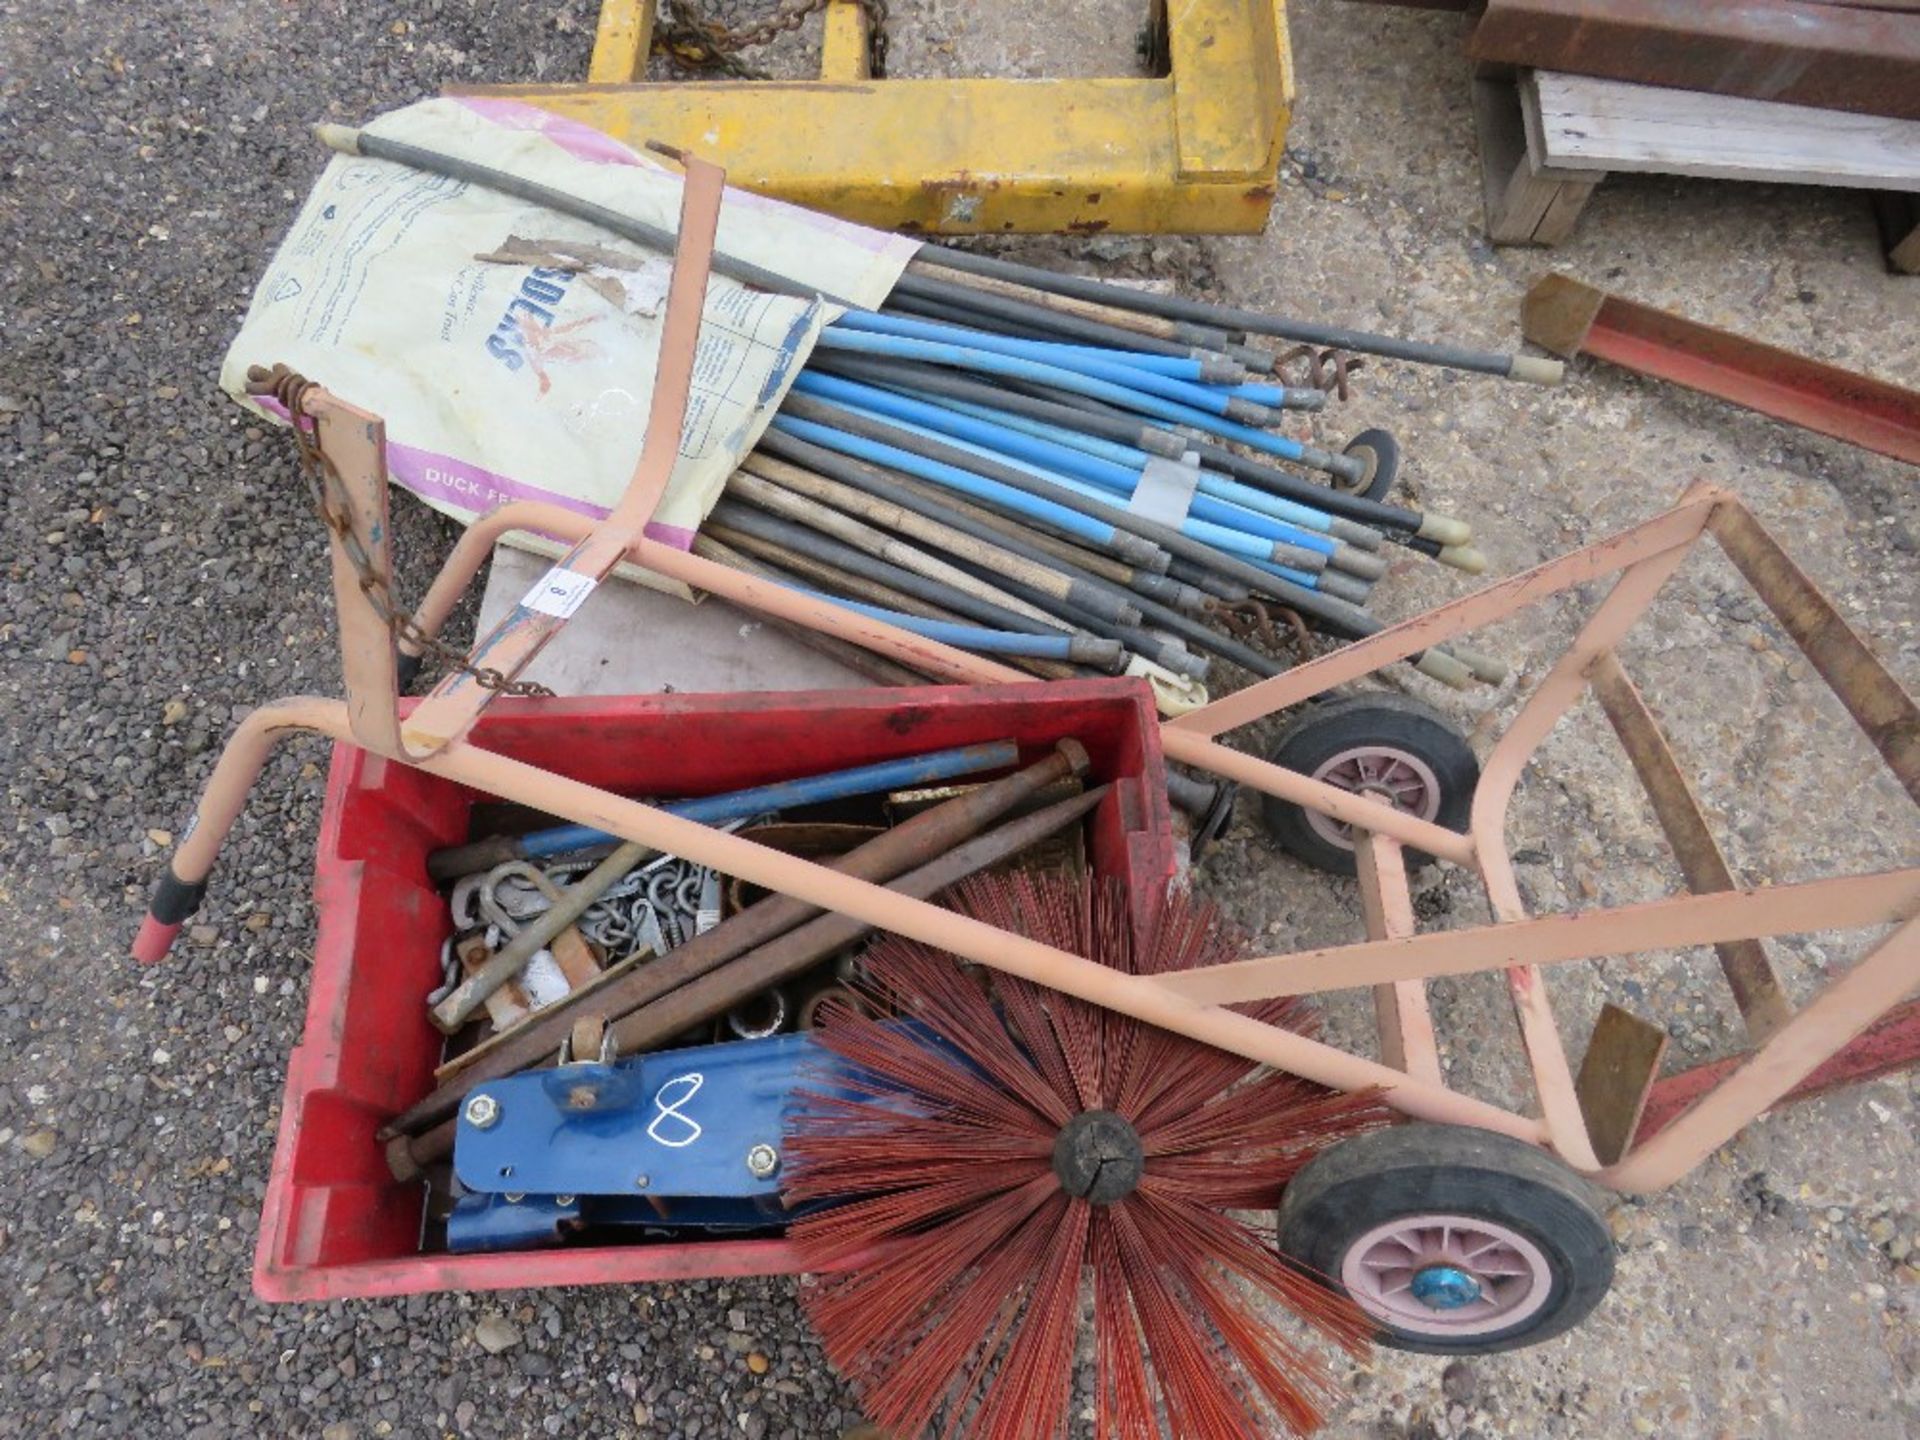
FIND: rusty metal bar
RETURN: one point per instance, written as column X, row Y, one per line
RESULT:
column 1830, row 56
column 1400, row 1008
column 1625, row 603
column 1891, row 1043
column 1675, row 528
column 1818, row 1032
column 1756, row 989
column 356, row 443
column 1878, row 703
column 1566, row 316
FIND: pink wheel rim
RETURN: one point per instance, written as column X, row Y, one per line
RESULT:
column 1387, row 1269
column 1403, row 780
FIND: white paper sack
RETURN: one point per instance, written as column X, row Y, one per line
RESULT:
column 508, row 381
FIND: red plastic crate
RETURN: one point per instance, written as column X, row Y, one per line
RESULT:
column 335, row 1223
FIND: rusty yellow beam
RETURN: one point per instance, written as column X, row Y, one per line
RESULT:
column 621, row 42
column 845, row 57
column 1196, row 150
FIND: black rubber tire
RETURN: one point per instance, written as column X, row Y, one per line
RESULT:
column 1322, row 731
column 1382, row 452
column 1418, row 1168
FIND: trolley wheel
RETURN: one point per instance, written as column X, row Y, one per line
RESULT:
column 1382, row 454
column 1457, row 1241
column 1386, row 746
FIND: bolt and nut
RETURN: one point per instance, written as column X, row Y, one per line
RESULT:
column 483, row 1112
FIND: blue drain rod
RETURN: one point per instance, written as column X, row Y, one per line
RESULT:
column 1294, row 560
column 836, row 430
column 1010, row 535
column 1345, row 552
column 1141, row 435
column 1055, row 458
column 901, row 490
column 457, row 860
column 1077, row 523
column 964, row 637
column 896, row 447
column 962, row 357
column 1181, row 385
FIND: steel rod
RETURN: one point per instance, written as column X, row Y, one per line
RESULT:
column 1177, row 307
column 1105, row 602
column 349, row 141
column 763, row 494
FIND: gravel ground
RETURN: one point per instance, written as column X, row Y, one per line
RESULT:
column 162, row 578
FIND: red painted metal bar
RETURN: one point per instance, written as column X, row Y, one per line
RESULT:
column 1567, row 317
column 1891, row 1043
column 1836, row 57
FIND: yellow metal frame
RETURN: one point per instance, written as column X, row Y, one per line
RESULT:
column 1195, row 150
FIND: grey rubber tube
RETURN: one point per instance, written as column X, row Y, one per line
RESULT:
column 802, row 572
column 1170, row 655
column 963, row 298
column 1178, row 307
column 1203, row 579
column 790, row 535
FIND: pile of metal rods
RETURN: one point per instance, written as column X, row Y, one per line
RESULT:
column 1119, row 442
column 1064, row 499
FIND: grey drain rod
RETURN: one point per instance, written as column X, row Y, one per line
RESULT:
column 350, row 141
column 1177, row 307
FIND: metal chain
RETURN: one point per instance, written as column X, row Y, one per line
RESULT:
column 329, row 503
column 703, row 44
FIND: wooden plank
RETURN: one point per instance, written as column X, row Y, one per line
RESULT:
column 1526, row 204
column 1578, row 122
column 1616, row 1077
column 1899, row 219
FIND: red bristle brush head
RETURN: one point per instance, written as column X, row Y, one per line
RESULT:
column 1043, row 1147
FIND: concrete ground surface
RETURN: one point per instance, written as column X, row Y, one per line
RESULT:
column 163, row 575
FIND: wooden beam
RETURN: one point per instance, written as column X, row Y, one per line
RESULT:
column 1526, row 203
column 1616, row 1077
column 1578, row 122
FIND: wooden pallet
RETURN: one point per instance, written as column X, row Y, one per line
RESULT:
column 1547, row 139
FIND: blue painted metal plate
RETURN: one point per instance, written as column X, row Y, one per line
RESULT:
column 676, row 1124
